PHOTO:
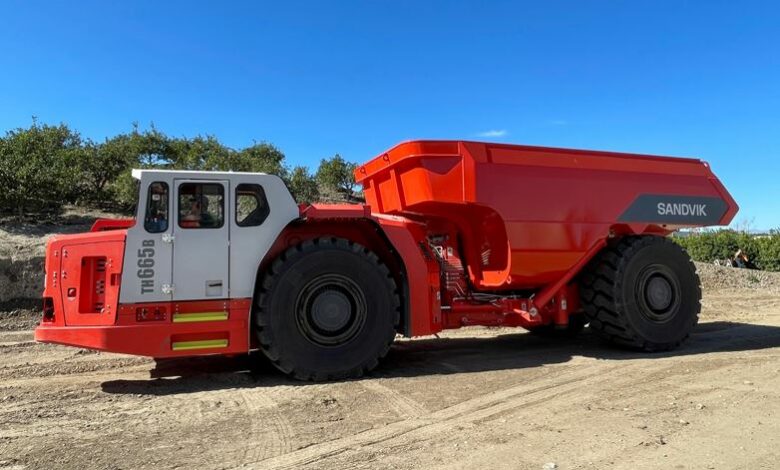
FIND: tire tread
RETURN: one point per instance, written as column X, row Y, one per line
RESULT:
column 261, row 314
column 600, row 288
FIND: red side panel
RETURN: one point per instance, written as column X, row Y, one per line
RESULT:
column 83, row 277
column 90, row 277
column 527, row 215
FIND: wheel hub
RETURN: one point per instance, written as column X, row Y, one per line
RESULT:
column 330, row 310
column 658, row 293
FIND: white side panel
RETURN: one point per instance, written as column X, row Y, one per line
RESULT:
column 142, row 279
column 248, row 245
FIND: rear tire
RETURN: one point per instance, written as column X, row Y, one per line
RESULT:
column 642, row 293
column 327, row 309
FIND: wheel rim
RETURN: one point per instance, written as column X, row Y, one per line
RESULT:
column 330, row 310
column 658, row 293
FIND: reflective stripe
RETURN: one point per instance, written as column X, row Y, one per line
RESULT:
column 199, row 316
column 205, row 344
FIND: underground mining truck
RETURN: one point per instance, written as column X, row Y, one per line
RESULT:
column 452, row 234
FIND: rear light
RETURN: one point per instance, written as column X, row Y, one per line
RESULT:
column 48, row 309
column 143, row 314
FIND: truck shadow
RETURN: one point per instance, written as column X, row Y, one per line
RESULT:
column 443, row 356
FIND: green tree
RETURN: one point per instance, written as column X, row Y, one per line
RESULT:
column 303, row 186
column 38, row 168
column 148, row 148
column 101, row 164
column 259, row 157
column 152, row 148
column 198, row 153
column 44, row 167
column 124, row 192
column 336, row 178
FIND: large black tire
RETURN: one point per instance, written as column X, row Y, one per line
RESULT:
column 327, row 309
column 642, row 293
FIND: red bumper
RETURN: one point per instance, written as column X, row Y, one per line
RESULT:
column 159, row 339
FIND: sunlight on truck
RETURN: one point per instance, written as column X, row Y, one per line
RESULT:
column 452, row 234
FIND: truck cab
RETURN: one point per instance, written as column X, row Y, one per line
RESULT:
column 189, row 258
column 197, row 235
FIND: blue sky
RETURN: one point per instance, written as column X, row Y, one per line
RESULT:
column 678, row 77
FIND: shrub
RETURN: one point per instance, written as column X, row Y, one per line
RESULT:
column 769, row 251
column 708, row 246
column 302, row 185
column 336, row 178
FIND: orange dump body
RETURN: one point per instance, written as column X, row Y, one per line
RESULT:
column 523, row 217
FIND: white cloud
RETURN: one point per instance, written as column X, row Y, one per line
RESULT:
column 557, row 122
column 493, row 133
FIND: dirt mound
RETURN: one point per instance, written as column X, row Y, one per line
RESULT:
column 22, row 250
column 719, row 277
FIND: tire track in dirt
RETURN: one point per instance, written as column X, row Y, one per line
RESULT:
column 139, row 372
column 264, row 416
column 567, row 380
column 403, row 406
column 17, row 344
column 10, row 338
column 16, row 334
column 438, row 422
column 64, row 368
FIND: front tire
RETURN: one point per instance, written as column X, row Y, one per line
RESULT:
column 642, row 293
column 327, row 309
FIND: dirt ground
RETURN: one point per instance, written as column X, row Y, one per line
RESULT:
column 476, row 398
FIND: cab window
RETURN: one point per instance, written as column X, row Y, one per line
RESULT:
column 201, row 205
column 251, row 205
column 156, row 218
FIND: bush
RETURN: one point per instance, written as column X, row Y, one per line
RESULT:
column 769, row 251
column 303, row 186
column 336, row 177
column 708, row 246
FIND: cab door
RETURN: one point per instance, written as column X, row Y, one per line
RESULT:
column 201, row 234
